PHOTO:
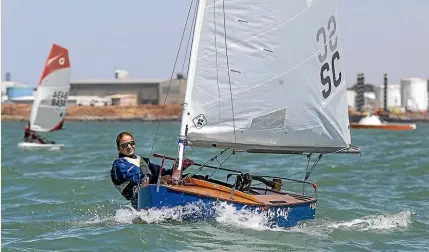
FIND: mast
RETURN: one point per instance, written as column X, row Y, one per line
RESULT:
column 177, row 173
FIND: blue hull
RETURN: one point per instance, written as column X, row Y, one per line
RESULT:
column 281, row 216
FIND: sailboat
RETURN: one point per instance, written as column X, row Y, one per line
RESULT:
column 264, row 77
column 50, row 101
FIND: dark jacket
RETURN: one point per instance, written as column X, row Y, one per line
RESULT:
column 126, row 176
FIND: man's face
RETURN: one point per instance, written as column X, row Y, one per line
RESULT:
column 127, row 146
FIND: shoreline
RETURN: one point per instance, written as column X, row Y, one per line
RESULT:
column 152, row 113
column 13, row 118
column 17, row 118
column 169, row 112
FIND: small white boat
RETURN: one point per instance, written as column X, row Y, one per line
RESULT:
column 34, row 146
column 374, row 122
column 50, row 102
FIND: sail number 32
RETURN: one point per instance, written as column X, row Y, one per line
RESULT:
column 59, row 99
column 328, row 64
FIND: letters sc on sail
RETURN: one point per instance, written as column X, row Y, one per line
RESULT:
column 329, row 64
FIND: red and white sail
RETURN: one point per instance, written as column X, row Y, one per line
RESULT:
column 50, row 101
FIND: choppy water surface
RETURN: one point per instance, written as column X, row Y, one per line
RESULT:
column 64, row 200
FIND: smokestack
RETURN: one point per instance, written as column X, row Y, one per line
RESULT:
column 358, row 94
column 385, row 94
column 360, row 89
column 7, row 77
column 362, row 84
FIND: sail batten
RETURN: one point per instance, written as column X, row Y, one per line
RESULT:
column 281, row 62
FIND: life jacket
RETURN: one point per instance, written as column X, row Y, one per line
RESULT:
column 128, row 188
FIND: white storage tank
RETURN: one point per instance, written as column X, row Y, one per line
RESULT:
column 351, row 98
column 393, row 96
column 414, row 94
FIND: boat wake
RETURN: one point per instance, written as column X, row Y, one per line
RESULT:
column 228, row 216
column 378, row 223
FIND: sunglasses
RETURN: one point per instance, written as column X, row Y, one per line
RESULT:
column 132, row 143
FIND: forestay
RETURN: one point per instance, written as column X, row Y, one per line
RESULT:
column 50, row 102
column 267, row 76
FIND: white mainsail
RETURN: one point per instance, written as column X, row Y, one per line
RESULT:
column 267, row 76
column 50, row 102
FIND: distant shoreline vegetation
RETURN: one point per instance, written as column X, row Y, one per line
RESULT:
column 170, row 112
column 96, row 118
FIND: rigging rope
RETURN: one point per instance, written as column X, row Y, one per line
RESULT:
column 227, row 65
column 220, row 164
column 191, row 35
column 202, row 166
column 307, row 171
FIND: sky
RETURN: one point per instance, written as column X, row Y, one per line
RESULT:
column 143, row 36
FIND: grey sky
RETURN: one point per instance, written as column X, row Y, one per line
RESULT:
column 142, row 36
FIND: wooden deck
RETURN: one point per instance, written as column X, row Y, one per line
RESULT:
column 211, row 190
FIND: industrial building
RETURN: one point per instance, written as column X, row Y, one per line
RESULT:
column 123, row 99
column 121, row 90
column 12, row 89
column 147, row 90
column 412, row 94
column 18, row 92
column 144, row 91
column 172, row 92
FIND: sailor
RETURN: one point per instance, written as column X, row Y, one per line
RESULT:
column 129, row 171
column 31, row 137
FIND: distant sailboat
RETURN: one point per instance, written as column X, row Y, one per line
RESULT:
column 264, row 77
column 50, row 102
column 371, row 121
